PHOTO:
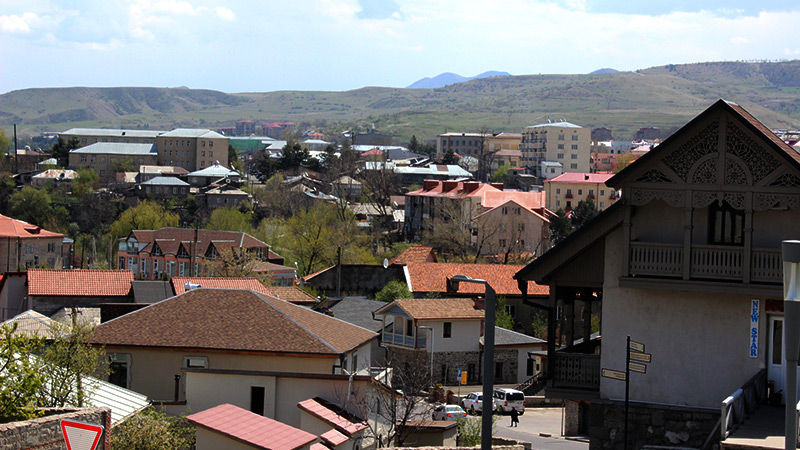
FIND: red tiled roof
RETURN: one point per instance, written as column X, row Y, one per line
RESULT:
column 415, row 254
column 84, row 283
column 338, row 418
column 319, row 446
column 334, row 438
column 432, row 277
column 251, row 428
column 458, row 190
column 179, row 284
column 538, row 211
column 18, row 229
column 437, row 308
column 232, row 320
column 170, row 239
column 293, row 294
column 579, row 177
column 530, row 200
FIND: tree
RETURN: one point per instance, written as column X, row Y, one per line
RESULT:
column 449, row 233
column 560, row 226
column 624, row 161
column 500, row 175
column 230, row 219
column 378, row 188
column 65, row 360
column 450, row 158
column 145, row 216
column 60, row 150
column 469, row 431
column 392, row 291
column 413, row 145
column 503, row 318
column 293, row 157
column 21, row 378
column 5, row 142
column 150, row 429
column 583, row 213
column 31, row 205
column 124, row 164
column 85, row 182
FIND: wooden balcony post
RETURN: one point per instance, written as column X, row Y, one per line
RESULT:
column 688, row 217
column 586, row 296
column 747, row 259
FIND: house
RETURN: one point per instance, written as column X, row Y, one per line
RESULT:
column 687, row 264
column 245, row 127
column 212, row 173
column 149, row 172
column 163, row 188
column 183, row 284
column 228, row 426
column 152, row 254
column 106, row 158
column 567, row 190
column 461, row 143
column 221, row 194
column 26, row 245
column 31, row 324
column 415, row 254
column 60, row 179
column 357, row 311
column 512, row 229
column 435, row 279
column 294, row 294
column 562, row 142
column 233, row 330
column 51, row 290
column 529, row 350
column 89, row 136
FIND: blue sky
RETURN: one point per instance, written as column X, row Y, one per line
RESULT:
column 245, row 46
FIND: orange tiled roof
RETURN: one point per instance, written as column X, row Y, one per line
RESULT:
column 432, row 277
column 14, row 228
column 415, row 254
column 79, row 282
column 232, row 320
column 439, row 308
column 179, row 283
column 530, row 200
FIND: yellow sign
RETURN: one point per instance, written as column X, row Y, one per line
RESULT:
column 464, row 377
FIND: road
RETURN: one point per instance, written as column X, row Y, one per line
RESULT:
column 541, row 426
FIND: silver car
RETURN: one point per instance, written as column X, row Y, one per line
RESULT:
column 448, row 412
column 473, row 403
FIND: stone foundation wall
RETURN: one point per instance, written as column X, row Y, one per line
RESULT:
column 459, row 360
column 651, row 425
column 45, row 433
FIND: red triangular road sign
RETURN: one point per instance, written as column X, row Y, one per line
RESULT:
column 80, row 435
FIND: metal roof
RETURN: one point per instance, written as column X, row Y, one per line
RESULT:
column 555, row 124
column 117, row 148
column 165, row 181
column 193, row 133
column 112, row 132
column 215, row 170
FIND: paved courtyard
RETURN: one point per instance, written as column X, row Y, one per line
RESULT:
column 541, row 426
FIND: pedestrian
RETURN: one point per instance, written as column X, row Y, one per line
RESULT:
column 514, row 417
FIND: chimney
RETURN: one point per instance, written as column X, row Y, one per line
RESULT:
column 427, row 185
column 498, row 186
column 449, row 185
column 479, row 302
column 586, row 177
column 470, row 186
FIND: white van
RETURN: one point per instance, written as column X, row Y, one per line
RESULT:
column 508, row 399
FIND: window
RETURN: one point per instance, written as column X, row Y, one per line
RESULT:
column 195, row 362
column 558, row 190
column 504, row 210
column 574, row 146
column 119, row 369
column 560, row 137
column 447, row 330
column 502, row 242
column 561, row 146
column 257, row 394
column 102, row 160
column 203, row 154
column 202, row 143
column 29, row 248
column 574, row 137
column 210, row 143
column 51, row 247
column 725, row 225
column 498, row 371
column 569, row 191
column 573, row 156
column 580, row 191
column 511, row 310
column 573, row 166
column 560, row 156
column 83, row 158
column 521, row 227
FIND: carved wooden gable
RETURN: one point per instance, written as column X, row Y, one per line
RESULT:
column 721, row 155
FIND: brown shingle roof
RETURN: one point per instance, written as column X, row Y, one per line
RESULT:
column 293, row 294
column 437, row 308
column 232, row 320
column 179, row 284
column 84, row 283
column 432, row 277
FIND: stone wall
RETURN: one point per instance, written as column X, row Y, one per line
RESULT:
column 45, row 433
column 651, row 425
column 459, row 360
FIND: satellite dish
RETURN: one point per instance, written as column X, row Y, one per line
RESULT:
column 385, row 263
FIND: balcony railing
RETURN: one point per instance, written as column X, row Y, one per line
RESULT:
column 712, row 262
column 577, row 371
column 403, row 340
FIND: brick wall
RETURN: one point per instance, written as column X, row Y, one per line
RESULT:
column 45, row 433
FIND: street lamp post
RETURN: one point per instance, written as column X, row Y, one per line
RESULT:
column 791, row 329
column 430, row 329
column 488, row 358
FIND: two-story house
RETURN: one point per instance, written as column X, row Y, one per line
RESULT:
column 687, row 264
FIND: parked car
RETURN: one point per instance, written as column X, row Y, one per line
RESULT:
column 473, row 403
column 508, row 399
column 448, row 412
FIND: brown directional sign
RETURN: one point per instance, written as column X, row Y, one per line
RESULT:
column 615, row 374
column 641, row 357
column 636, row 367
column 636, row 346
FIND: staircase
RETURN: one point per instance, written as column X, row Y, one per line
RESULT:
column 533, row 385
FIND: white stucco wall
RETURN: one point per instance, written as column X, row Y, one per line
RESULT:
column 699, row 341
column 464, row 336
column 211, row 440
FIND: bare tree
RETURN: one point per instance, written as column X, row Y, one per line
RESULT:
column 379, row 186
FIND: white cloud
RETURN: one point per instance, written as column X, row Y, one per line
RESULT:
column 18, row 24
column 225, row 13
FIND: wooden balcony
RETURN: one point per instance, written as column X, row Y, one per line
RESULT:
column 402, row 340
column 706, row 262
column 576, row 376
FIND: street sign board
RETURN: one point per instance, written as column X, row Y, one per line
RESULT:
column 615, row 374
column 641, row 357
column 80, row 435
column 636, row 367
column 636, row 346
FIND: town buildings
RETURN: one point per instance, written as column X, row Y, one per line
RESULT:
column 687, row 264
column 560, row 142
column 465, row 144
column 567, row 190
column 24, row 245
column 108, row 158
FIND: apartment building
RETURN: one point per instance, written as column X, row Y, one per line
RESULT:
column 562, row 142
column 105, row 158
column 465, row 144
column 89, row 136
column 567, row 190
column 192, row 148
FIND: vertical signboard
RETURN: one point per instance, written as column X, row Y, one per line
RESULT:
column 754, row 316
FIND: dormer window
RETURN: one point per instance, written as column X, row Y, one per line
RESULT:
column 182, row 253
column 157, row 250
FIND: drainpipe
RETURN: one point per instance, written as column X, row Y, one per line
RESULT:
column 177, row 387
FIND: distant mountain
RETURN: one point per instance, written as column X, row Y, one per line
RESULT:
column 448, row 78
column 603, row 71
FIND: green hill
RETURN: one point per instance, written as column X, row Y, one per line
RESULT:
column 665, row 97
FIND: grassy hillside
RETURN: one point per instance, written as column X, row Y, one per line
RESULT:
column 666, row 97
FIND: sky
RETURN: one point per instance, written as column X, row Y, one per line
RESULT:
column 338, row 45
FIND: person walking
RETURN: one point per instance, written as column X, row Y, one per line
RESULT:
column 514, row 417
